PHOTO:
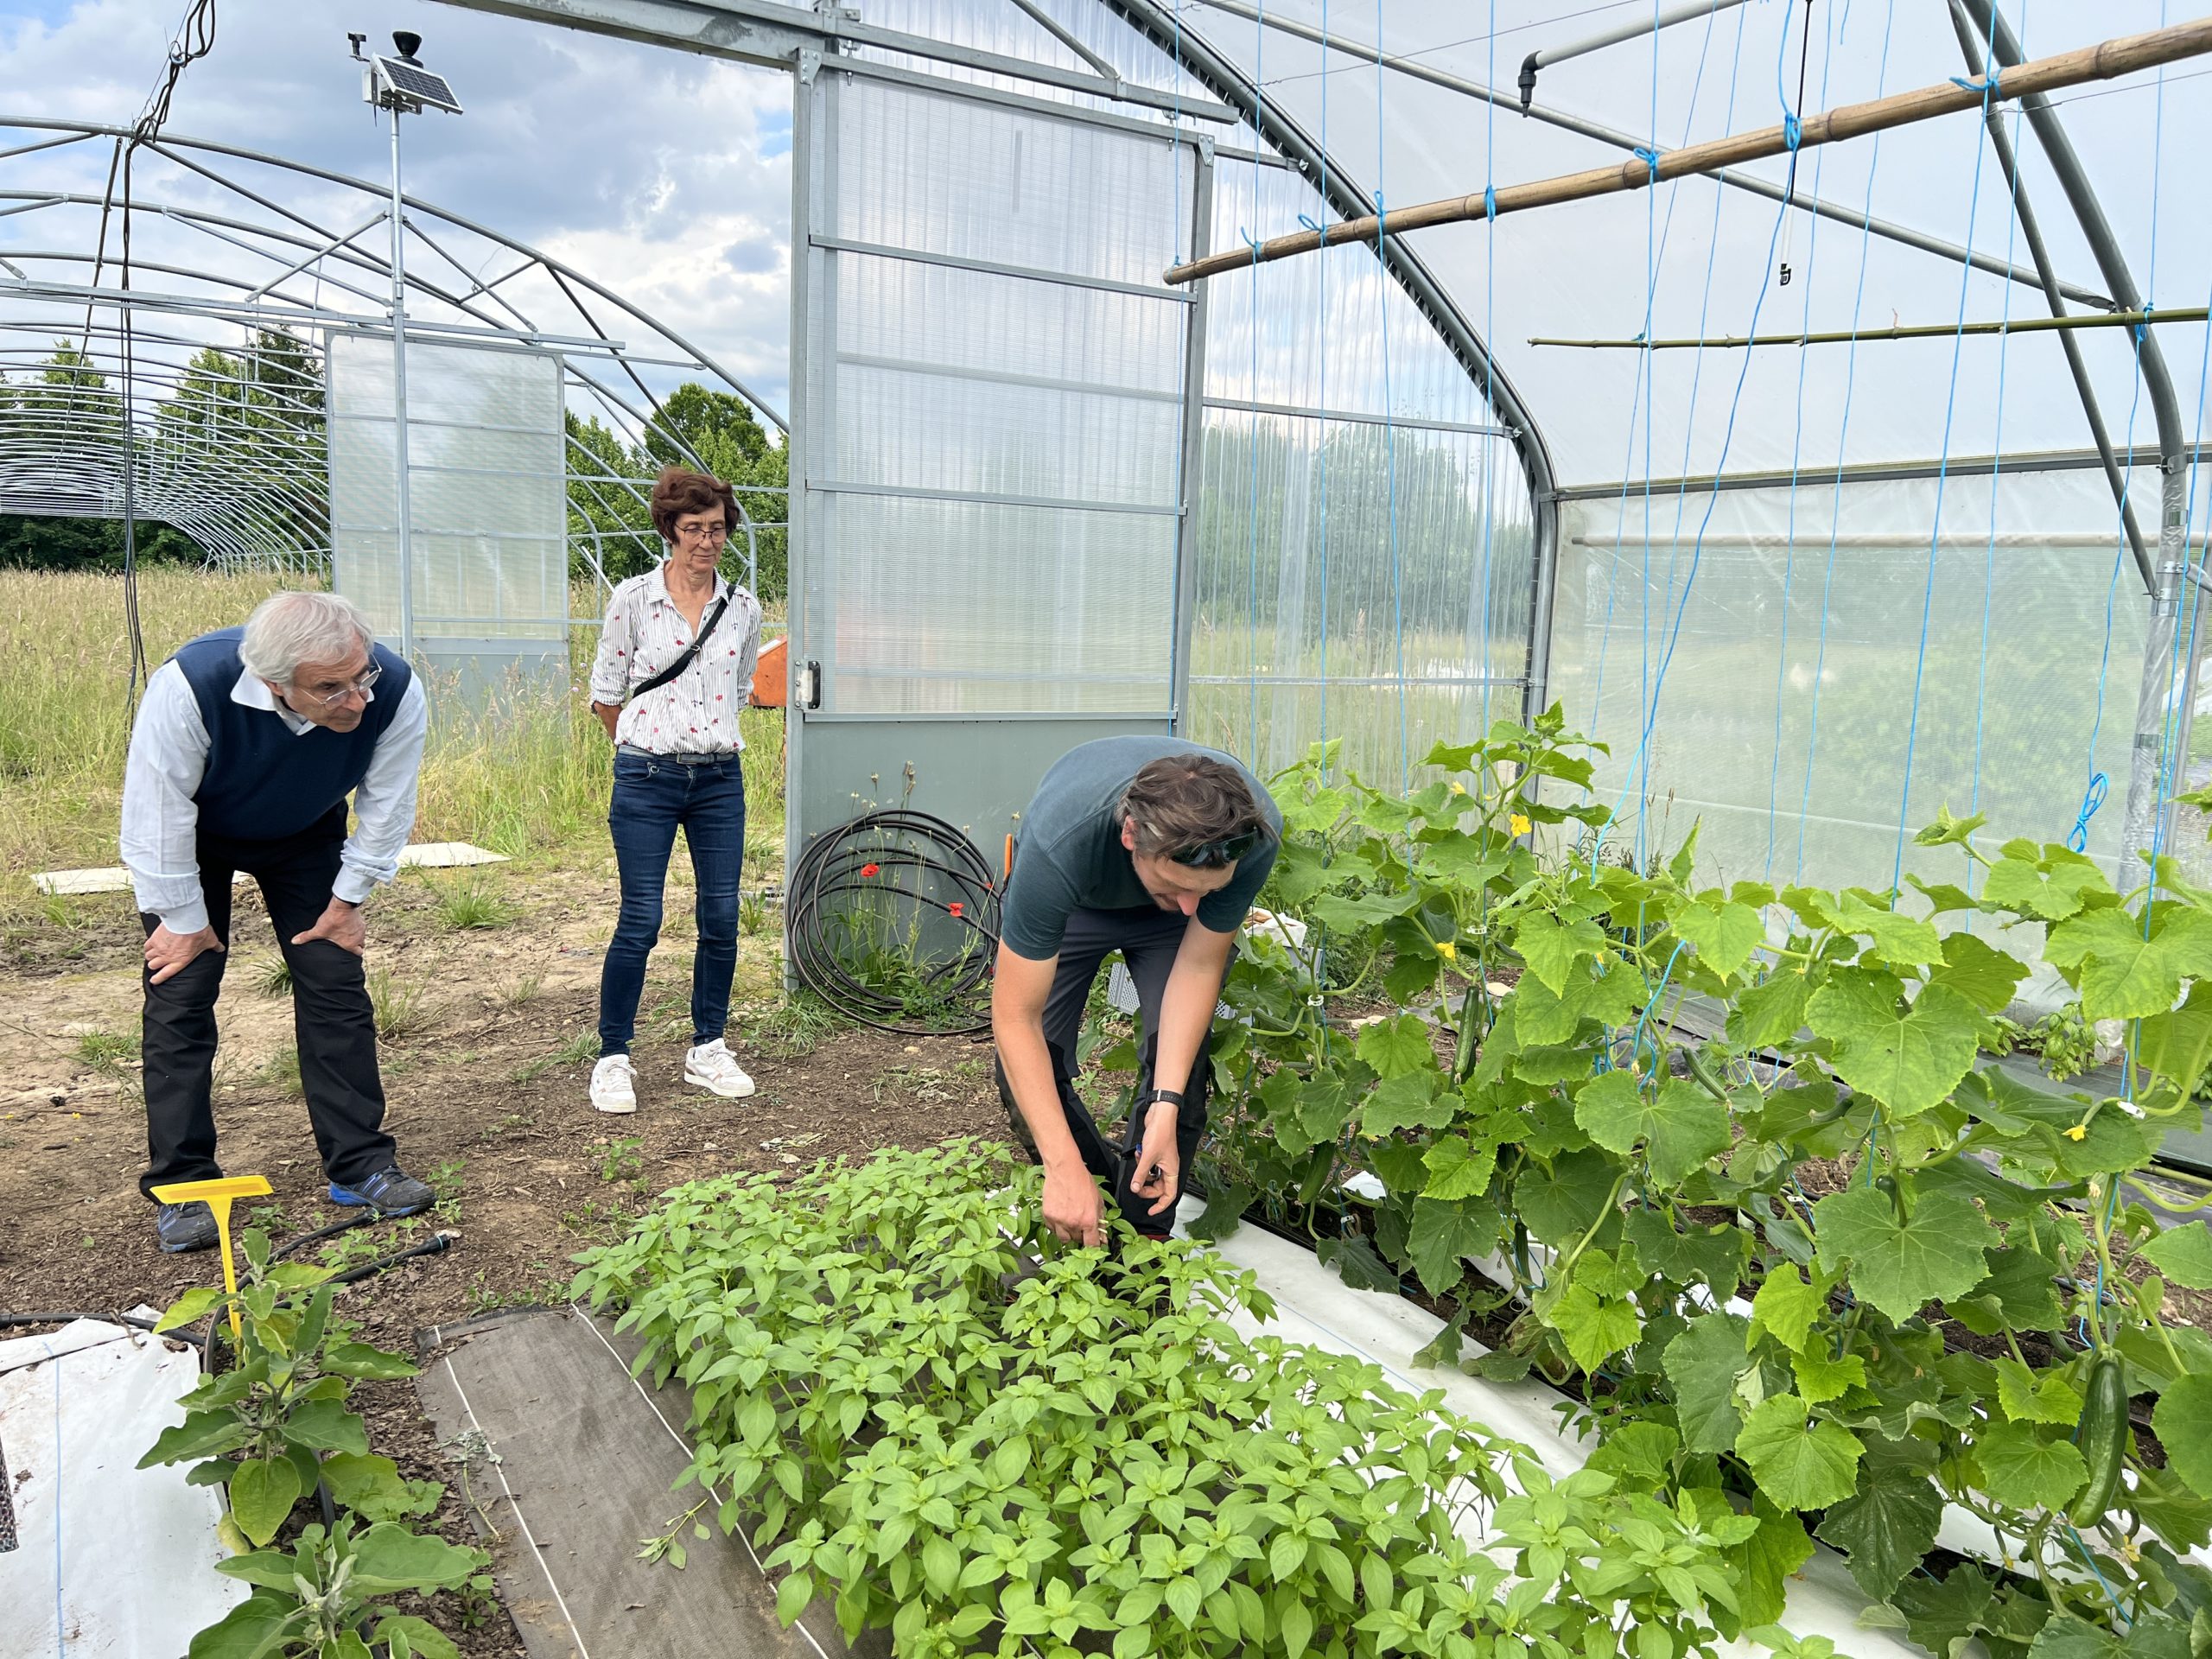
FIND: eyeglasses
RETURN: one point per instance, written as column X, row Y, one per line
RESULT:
column 702, row 533
column 1212, row 854
column 332, row 699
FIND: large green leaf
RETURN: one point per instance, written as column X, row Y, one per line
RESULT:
column 1679, row 1124
column 371, row 1487
column 1799, row 1462
column 1358, row 1264
column 252, row 1630
column 2050, row 888
column 1910, row 1060
column 1901, row 940
column 389, row 1557
column 1724, row 935
column 1766, row 1562
column 1416, row 1100
column 1550, row 949
column 201, row 1434
column 1901, row 1267
column 1224, row 1213
column 2184, row 1255
column 2183, row 1421
column 1396, row 1048
column 2152, row 1635
column 325, row 1426
column 2023, row 1470
column 1770, row 1012
column 263, row 1491
column 2178, row 1045
column 1713, row 1255
column 1704, row 1363
column 1442, row 1237
column 1786, row 1306
column 2125, row 971
column 1979, row 972
column 2027, row 1396
column 1560, row 1204
column 1884, row 1529
column 1458, row 1169
column 1594, row 1327
column 359, row 1359
column 422, row 1639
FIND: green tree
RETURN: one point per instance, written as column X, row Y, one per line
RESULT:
column 65, row 409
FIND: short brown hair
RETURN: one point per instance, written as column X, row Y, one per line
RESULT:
column 679, row 492
column 1181, row 802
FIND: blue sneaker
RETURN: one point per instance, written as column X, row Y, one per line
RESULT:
column 389, row 1192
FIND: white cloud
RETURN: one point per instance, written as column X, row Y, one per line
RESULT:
column 662, row 176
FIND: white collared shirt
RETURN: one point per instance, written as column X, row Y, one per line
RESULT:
column 697, row 712
column 168, row 757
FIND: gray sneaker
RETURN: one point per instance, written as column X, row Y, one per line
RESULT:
column 186, row 1227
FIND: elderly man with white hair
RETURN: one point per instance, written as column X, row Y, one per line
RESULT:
column 247, row 745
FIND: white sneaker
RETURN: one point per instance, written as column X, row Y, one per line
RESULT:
column 614, row 1085
column 711, row 1065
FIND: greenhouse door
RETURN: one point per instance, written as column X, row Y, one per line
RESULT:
column 992, row 451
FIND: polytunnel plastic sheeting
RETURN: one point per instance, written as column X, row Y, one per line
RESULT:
column 1365, row 536
column 1700, row 252
column 1784, row 679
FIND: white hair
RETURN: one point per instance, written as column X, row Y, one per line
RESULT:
column 291, row 628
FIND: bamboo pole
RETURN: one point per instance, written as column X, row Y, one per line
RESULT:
column 1911, row 331
column 2105, row 62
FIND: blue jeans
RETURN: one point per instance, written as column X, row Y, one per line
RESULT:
column 652, row 795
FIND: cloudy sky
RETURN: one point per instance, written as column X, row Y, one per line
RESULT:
column 664, row 176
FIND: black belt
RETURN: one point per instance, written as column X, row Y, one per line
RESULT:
column 679, row 759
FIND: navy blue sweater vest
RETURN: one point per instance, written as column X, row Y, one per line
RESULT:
column 262, row 782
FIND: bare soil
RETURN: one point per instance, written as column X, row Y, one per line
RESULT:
column 488, row 1097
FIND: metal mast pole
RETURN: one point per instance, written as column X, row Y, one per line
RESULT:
column 399, row 405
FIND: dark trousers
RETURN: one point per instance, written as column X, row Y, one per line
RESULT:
column 331, row 1015
column 654, row 795
column 1147, row 939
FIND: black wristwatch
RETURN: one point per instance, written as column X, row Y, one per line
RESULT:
column 1153, row 1097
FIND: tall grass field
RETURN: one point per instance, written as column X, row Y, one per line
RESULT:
column 526, row 771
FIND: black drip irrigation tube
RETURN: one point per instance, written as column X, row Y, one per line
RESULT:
column 907, row 887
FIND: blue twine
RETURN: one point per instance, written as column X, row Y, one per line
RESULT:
column 1635, row 1038
column 1796, row 453
column 1489, row 374
column 1321, row 401
column 1984, row 86
column 1792, row 134
column 2078, row 838
column 1842, row 451
column 1309, row 224
column 1650, row 159
column 2090, row 1562
column 1989, row 549
column 1389, row 426
column 1935, row 529
column 1490, row 202
column 1252, row 510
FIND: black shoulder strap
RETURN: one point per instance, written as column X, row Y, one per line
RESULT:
column 690, row 650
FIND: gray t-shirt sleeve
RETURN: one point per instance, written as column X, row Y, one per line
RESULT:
column 1225, row 912
column 1034, row 917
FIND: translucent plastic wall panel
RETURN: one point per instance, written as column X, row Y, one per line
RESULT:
column 975, row 607
column 1364, row 579
column 1693, row 257
column 1786, row 715
column 487, row 488
column 995, row 456
column 1357, row 582
column 938, row 175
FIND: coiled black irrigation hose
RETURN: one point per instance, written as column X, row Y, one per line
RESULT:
column 894, row 921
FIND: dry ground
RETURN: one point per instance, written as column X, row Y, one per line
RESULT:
column 488, row 1102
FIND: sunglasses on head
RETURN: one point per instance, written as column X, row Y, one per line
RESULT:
column 1212, row 854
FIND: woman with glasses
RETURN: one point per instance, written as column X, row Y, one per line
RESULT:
column 675, row 666
column 1154, row 848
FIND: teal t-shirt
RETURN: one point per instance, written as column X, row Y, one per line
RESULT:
column 1069, row 856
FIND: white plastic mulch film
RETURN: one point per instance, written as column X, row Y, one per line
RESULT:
column 996, row 454
column 487, row 488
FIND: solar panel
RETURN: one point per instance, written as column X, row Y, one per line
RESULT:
column 412, row 81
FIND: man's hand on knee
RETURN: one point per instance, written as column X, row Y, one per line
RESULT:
column 340, row 923
column 1075, row 1210
column 169, row 954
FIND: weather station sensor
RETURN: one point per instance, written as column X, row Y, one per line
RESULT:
column 400, row 83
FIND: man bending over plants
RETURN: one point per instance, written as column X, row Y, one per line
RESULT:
column 1154, row 848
